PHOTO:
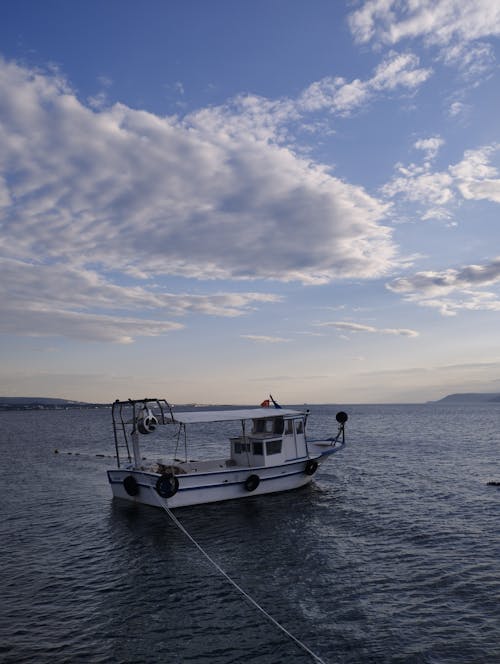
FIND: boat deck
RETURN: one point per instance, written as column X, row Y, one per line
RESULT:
column 189, row 467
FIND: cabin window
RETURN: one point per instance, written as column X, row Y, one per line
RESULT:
column 240, row 448
column 269, row 425
column 299, row 426
column 258, row 449
column 279, row 425
column 259, row 426
column 273, row 447
column 289, row 427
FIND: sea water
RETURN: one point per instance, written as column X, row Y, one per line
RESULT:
column 391, row 555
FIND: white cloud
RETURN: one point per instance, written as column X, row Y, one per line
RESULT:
column 483, row 190
column 419, row 184
column 430, row 146
column 263, row 339
column 473, row 60
column 457, row 108
column 59, row 299
column 453, row 26
column 39, row 321
column 473, row 178
column 342, row 97
column 476, row 177
column 359, row 327
column 98, row 101
column 451, row 279
column 452, row 290
column 335, row 94
column 475, row 164
column 211, row 196
column 399, row 69
column 437, row 21
column 89, row 192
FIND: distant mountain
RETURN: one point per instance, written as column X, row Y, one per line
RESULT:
column 41, row 403
column 471, row 397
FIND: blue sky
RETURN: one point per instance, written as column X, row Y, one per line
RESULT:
column 211, row 201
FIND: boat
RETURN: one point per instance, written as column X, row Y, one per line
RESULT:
column 268, row 451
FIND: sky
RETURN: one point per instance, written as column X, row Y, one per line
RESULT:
column 210, row 201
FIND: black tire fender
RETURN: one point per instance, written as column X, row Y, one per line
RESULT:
column 130, row 485
column 167, row 485
column 311, row 467
column 252, row 482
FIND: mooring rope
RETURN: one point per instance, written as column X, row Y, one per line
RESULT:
column 234, row 584
column 85, row 455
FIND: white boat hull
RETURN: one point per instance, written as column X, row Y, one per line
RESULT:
column 270, row 454
column 200, row 488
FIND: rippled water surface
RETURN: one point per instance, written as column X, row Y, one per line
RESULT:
column 392, row 555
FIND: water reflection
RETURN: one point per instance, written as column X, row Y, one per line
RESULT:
column 391, row 555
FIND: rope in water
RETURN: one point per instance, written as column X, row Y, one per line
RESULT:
column 235, row 585
column 85, row 454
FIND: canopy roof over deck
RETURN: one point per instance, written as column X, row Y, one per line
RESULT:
column 199, row 416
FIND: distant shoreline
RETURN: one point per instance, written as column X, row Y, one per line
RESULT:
column 46, row 403
column 470, row 397
column 23, row 403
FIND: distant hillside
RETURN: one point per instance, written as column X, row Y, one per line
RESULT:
column 471, row 397
column 45, row 401
column 41, row 403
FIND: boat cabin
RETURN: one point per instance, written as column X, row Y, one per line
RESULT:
column 271, row 442
column 268, row 436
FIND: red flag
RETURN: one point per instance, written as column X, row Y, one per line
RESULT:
column 265, row 404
